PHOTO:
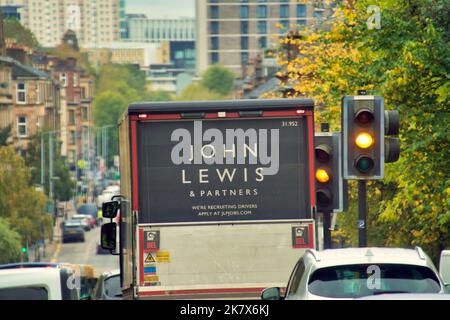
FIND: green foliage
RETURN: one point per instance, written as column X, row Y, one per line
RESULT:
column 197, row 92
column 406, row 61
column 20, row 204
column 118, row 86
column 4, row 135
column 63, row 186
column 9, row 243
column 218, row 79
column 15, row 30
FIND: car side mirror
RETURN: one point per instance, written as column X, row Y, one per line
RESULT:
column 108, row 236
column 271, row 294
column 110, row 209
column 444, row 267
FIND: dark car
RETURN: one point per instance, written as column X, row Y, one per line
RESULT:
column 108, row 286
column 89, row 209
column 73, row 231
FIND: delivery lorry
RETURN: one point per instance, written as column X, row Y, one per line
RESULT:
column 216, row 200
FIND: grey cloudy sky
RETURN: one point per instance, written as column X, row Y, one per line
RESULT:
column 162, row 8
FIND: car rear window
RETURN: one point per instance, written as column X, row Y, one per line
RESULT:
column 354, row 281
column 24, row 293
column 90, row 209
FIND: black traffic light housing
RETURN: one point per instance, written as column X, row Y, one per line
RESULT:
column 363, row 137
column 331, row 189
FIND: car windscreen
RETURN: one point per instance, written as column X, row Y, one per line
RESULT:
column 24, row 293
column 112, row 287
column 354, row 281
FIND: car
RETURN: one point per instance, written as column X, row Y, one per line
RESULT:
column 84, row 219
column 89, row 209
column 358, row 272
column 37, row 284
column 108, row 286
column 73, row 230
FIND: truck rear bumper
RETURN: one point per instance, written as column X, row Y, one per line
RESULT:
column 250, row 292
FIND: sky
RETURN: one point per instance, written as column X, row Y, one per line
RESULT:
column 162, row 8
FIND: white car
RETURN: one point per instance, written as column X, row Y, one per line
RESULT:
column 37, row 284
column 359, row 272
column 84, row 219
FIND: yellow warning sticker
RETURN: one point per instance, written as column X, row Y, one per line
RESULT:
column 149, row 258
column 163, row 256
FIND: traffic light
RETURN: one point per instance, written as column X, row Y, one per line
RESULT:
column 330, row 187
column 365, row 147
column 24, row 249
column 363, row 137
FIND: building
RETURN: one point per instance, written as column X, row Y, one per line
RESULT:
column 232, row 32
column 142, row 29
column 76, row 112
column 169, row 78
column 6, row 97
column 94, row 21
column 36, row 104
column 11, row 12
column 140, row 54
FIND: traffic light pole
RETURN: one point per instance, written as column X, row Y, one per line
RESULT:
column 326, row 230
column 362, row 209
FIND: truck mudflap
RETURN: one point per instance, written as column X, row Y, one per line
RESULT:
column 243, row 291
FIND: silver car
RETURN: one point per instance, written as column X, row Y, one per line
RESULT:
column 359, row 272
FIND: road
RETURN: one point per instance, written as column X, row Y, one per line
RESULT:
column 86, row 253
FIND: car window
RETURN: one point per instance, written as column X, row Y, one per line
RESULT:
column 24, row 293
column 353, row 281
column 112, row 287
column 296, row 276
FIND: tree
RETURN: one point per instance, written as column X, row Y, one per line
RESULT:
column 406, row 61
column 118, row 86
column 9, row 243
column 218, row 79
column 20, row 204
column 196, row 91
column 63, row 186
column 4, row 135
column 15, row 30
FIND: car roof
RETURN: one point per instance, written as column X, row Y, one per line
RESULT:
column 25, row 276
column 345, row 256
column 18, row 265
column 110, row 273
column 72, row 223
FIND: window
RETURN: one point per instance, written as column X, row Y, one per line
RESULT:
column 244, row 27
column 244, row 57
column 63, row 79
column 21, row 93
column 318, row 15
column 350, row 281
column 301, row 11
column 262, row 42
column 214, row 57
column 301, row 22
column 214, row 12
column 262, row 11
column 262, row 27
column 244, row 42
column 214, row 27
column 75, row 80
column 214, row 43
column 284, row 11
column 72, row 137
column 84, row 114
column 285, row 26
column 24, row 293
column 296, row 277
column 72, row 117
column 243, row 13
column 38, row 93
column 22, row 126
